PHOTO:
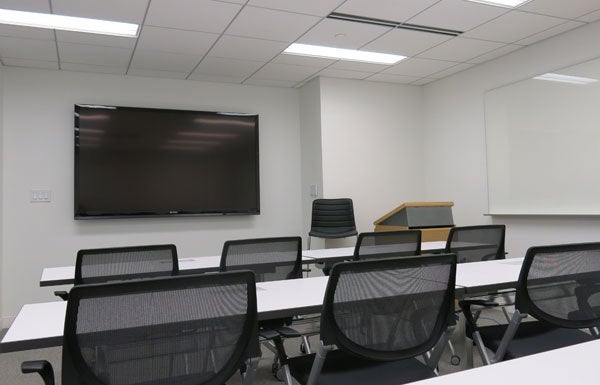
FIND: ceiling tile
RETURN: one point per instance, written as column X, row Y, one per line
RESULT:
column 130, row 11
column 450, row 71
column 458, row 15
column 93, row 68
column 590, row 17
column 194, row 15
column 388, row 78
column 344, row 74
column 268, row 24
column 270, row 82
column 303, row 60
column 342, row 34
column 406, row 42
column 358, row 66
column 564, row 27
column 26, row 5
column 247, row 48
column 26, row 32
column 94, row 39
column 513, row 26
column 566, row 9
column 460, row 49
column 176, row 40
column 163, row 61
column 157, row 73
column 94, row 54
column 309, row 7
column 393, row 10
column 34, row 49
column 275, row 71
column 30, row 63
column 216, row 78
column 423, row 81
column 495, row 53
column 227, row 67
column 419, row 67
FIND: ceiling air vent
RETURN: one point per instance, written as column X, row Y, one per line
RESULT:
column 393, row 24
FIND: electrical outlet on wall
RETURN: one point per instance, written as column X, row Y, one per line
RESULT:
column 314, row 190
column 40, row 196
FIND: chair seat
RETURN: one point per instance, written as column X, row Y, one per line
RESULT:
column 531, row 338
column 334, row 233
column 343, row 368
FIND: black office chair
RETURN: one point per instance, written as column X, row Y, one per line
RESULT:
column 558, row 286
column 123, row 263
column 271, row 259
column 387, row 244
column 381, row 314
column 332, row 218
column 476, row 243
column 193, row 329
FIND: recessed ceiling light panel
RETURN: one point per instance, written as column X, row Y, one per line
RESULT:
column 342, row 54
column 565, row 78
column 502, row 3
column 68, row 23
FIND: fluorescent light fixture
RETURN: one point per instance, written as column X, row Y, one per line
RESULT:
column 343, row 54
column 565, row 79
column 502, row 3
column 67, row 23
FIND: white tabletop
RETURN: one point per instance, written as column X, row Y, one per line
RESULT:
column 41, row 325
column 482, row 277
column 347, row 252
column 64, row 275
column 576, row 364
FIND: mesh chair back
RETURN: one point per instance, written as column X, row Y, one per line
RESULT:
column 560, row 285
column 194, row 329
column 332, row 218
column 271, row 259
column 389, row 309
column 123, row 263
column 476, row 243
column 388, row 244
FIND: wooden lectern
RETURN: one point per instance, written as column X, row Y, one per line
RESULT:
column 434, row 219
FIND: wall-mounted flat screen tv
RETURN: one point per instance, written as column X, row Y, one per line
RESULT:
column 132, row 162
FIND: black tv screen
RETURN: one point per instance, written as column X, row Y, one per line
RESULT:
column 155, row 162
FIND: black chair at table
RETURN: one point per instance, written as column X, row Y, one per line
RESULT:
column 271, row 259
column 123, row 263
column 193, row 329
column 558, row 287
column 331, row 219
column 382, row 314
column 476, row 243
column 387, row 244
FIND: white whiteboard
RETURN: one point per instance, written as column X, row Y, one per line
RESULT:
column 543, row 146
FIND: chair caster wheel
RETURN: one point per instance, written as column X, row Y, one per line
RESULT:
column 455, row 360
column 277, row 371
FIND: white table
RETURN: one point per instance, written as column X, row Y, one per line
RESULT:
column 41, row 325
column 341, row 253
column 576, row 364
column 64, row 275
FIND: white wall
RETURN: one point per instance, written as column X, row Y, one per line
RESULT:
column 454, row 151
column 2, row 163
column 371, row 145
column 38, row 154
column 312, row 160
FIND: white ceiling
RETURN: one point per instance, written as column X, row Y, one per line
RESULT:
column 241, row 41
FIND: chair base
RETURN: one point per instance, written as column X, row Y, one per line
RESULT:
column 343, row 368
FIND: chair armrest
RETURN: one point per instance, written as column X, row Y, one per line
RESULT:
column 62, row 294
column 42, row 367
column 465, row 306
